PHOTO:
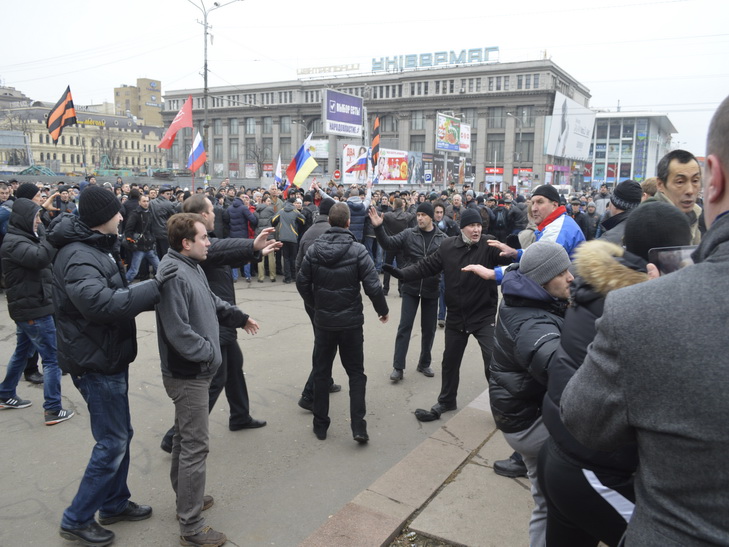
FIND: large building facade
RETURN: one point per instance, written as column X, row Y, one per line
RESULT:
column 505, row 104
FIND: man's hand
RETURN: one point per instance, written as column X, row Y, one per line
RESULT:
column 369, row 184
column 261, row 241
column 394, row 272
column 375, row 217
column 505, row 249
column 384, row 318
column 169, row 272
column 271, row 247
column 481, row 271
column 251, row 326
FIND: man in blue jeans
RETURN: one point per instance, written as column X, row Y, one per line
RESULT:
column 95, row 310
column 26, row 258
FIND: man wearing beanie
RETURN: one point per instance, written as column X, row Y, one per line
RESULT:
column 470, row 302
column 527, row 337
column 626, row 197
column 97, row 340
column 412, row 245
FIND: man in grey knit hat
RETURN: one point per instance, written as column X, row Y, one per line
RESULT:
column 526, row 339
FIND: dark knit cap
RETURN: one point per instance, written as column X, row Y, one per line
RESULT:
column 325, row 206
column 627, row 195
column 97, row 206
column 470, row 216
column 655, row 224
column 27, row 190
column 548, row 191
column 543, row 261
column 426, row 208
column 520, row 199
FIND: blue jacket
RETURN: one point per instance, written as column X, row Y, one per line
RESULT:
column 237, row 218
column 563, row 230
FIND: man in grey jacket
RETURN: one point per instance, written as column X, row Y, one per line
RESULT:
column 668, row 394
column 189, row 348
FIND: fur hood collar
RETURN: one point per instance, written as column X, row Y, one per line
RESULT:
column 607, row 267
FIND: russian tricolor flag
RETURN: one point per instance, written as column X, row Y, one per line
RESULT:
column 197, row 157
column 302, row 164
column 359, row 165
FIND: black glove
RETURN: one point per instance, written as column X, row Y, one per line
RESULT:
column 163, row 276
column 394, row 272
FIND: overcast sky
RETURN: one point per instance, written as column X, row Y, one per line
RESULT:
column 669, row 56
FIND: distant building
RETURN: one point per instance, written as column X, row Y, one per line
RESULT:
column 143, row 101
column 100, row 140
column 627, row 145
column 507, row 106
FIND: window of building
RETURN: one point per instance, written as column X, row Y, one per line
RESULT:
column 217, row 149
column 284, row 149
column 491, row 83
column 233, row 150
column 267, row 149
column 267, row 125
column 469, row 116
column 525, row 151
column 535, row 80
column 520, row 82
column 437, row 87
column 251, row 151
column 417, row 143
column 496, row 118
column 528, row 81
column 627, row 129
column 498, row 83
column 217, row 126
column 506, row 83
column 249, row 98
column 317, row 126
column 285, row 124
column 250, row 126
column 233, row 126
column 494, row 150
column 417, row 120
column 388, row 124
column 601, row 130
column 526, row 115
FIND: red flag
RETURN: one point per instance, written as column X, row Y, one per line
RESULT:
column 183, row 119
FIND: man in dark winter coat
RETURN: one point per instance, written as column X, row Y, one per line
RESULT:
column 413, row 245
column 139, row 238
column 470, row 300
column 667, row 394
column 535, row 294
column 162, row 209
column 93, row 303
column 332, row 275
column 26, row 258
column 358, row 206
column 289, row 222
column 239, row 221
column 624, row 199
column 320, row 226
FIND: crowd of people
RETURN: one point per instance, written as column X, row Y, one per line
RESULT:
column 617, row 423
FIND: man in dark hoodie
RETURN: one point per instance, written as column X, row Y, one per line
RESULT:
column 26, row 258
column 94, row 303
column 332, row 275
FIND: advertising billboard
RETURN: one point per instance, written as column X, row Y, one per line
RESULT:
column 392, row 166
column 464, row 143
column 350, row 154
column 447, row 133
column 342, row 113
column 568, row 131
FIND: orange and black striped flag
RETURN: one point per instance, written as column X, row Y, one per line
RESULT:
column 376, row 142
column 61, row 115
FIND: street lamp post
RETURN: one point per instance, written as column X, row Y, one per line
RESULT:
column 518, row 154
column 205, row 12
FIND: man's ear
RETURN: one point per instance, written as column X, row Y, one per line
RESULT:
column 186, row 244
column 717, row 187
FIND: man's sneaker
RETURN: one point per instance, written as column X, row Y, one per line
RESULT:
column 306, row 404
column 335, row 388
column 91, row 534
column 54, row 417
column 396, row 375
column 14, row 402
column 426, row 371
column 206, row 537
column 441, row 323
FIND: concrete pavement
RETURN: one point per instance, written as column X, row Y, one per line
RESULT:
column 277, row 485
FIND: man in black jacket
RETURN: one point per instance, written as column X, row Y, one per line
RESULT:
column 412, row 245
column 97, row 340
column 329, row 281
column 139, row 238
column 26, row 259
column 470, row 300
column 222, row 254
